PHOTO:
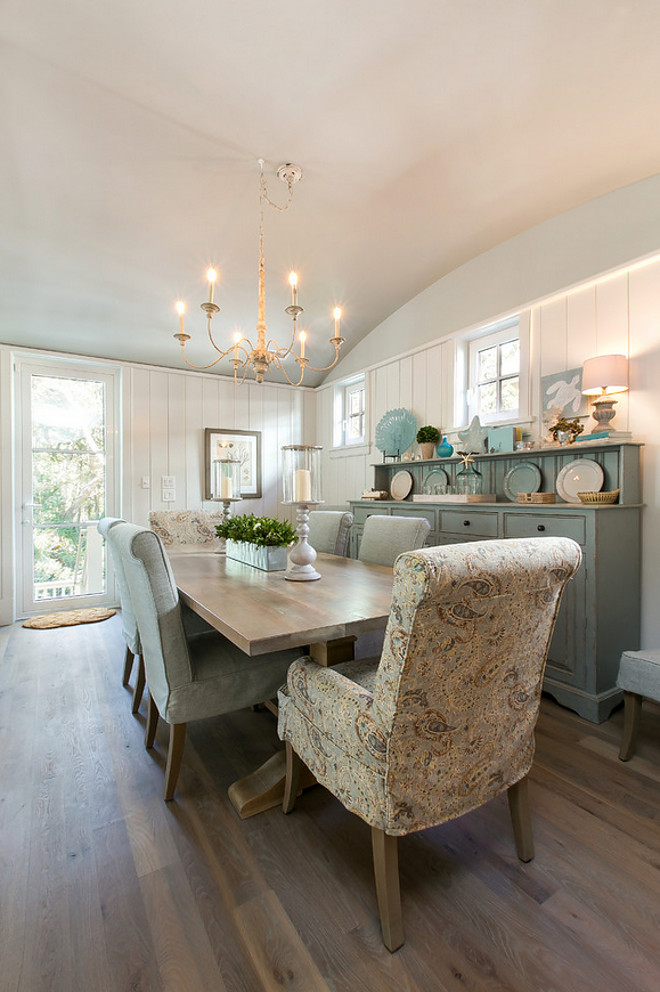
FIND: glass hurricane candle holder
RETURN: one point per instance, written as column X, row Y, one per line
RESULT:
column 226, row 482
column 301, row 486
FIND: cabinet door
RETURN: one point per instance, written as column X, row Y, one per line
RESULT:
column 568, row 657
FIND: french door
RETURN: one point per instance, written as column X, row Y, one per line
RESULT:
column 66, row 481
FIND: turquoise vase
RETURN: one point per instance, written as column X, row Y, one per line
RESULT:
column 445, row 449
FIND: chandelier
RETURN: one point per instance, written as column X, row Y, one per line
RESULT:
column 260, row 356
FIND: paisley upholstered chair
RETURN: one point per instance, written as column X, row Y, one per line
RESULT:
column 639, row 677
column 329, row 531
column 444, row 720
column 128, row 619
column 185, row 527
column 384, row 538
column 189, row 678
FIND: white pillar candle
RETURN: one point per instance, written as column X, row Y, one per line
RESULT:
column 225, row 488
column 302, row 485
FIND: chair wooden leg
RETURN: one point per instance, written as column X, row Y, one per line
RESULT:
column 386, row 872
column 294, row 768
column 631, row 718
column 152, row 722
column 518, row 797
column 128, row 665
column 139, row 685
column 174, row 755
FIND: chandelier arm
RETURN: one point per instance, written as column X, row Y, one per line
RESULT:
column 276, row 361
column 326, row 368
column 200, row 367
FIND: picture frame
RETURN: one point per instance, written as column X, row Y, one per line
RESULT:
column 561, row 394
column 246, row 445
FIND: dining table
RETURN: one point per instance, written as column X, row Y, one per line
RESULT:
column 261, row 611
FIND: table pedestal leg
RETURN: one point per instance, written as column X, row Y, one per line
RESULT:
column 263, row 788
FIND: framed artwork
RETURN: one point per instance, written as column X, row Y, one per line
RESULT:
column 561, row 394
column 244, row 445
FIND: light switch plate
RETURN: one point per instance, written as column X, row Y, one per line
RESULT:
column 167, row 481
column 145, row 482
column 169, row 495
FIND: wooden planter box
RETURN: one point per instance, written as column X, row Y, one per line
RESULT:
column 267, row 559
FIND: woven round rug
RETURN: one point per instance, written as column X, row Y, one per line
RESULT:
column 69, row 619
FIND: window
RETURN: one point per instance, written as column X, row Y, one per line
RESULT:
column 350, row 413
column 495, row 387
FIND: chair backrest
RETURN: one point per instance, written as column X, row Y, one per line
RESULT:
column 185, row 526
column 156, row 602
column 384, row 538
column 128, row 619
column 329, row 531
column 457, row 691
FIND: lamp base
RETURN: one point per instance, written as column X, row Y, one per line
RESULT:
column 302, row 555
column 603, row 413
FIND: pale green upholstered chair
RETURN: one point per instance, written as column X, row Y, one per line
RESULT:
column 329, row 531
column 185, row 527
column 444, row 720
column 189, row 678
column 639, row 677
column 384, row 538
column 128, row 619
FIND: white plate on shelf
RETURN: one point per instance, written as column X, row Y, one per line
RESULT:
column 581, row 476
column 522, row 478
column 401, row 485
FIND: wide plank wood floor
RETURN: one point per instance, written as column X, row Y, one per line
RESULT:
column 105, row 888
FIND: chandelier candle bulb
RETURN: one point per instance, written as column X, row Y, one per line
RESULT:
column 336, row 313
column 302, row 338
column 211, row 275
column 181, row 309
column 293, row 279
column 302, row 485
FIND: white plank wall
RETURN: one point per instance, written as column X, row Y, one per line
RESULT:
column 164, row 416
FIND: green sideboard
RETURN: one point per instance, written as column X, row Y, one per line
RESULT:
column 600, row 613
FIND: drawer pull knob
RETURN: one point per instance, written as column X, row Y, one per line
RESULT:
column 541, row 527
column 466, row 523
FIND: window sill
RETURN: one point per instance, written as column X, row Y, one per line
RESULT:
column 348, row 450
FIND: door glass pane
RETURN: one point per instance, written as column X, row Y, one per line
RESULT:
column 68, row 486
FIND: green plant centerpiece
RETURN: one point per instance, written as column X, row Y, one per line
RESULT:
column 257, row 541
column 564, row 427
column 427, row 438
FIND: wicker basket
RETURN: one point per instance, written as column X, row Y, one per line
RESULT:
column 611, row 497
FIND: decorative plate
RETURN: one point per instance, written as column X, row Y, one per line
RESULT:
column 522, row 478
column 396, row 431
column 401, row 485
column 436, row 477
column 581, row 476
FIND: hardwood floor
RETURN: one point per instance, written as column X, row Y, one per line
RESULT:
column 105, row 888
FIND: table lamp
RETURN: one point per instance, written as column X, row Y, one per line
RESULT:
column 601, row 377
column 301, row 486
column 226, row 486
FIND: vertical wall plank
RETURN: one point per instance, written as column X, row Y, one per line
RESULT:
column 582, row 338
column 553, row 336
column 612, row 315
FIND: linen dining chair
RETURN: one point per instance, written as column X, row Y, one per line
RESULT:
column 384, row 538
column 185, row 527
column 639, row 677
column 329, row 531
column 188, row 678
column 129, row 625
column 444, row 720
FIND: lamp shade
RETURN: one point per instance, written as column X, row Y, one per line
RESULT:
column 605, row 374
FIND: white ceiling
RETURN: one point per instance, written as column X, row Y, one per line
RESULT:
column 428, row 132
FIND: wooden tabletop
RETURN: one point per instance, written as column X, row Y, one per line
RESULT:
column 262, row 611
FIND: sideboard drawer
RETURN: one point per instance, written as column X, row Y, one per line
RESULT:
column 469, row 522
column 544, row 525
